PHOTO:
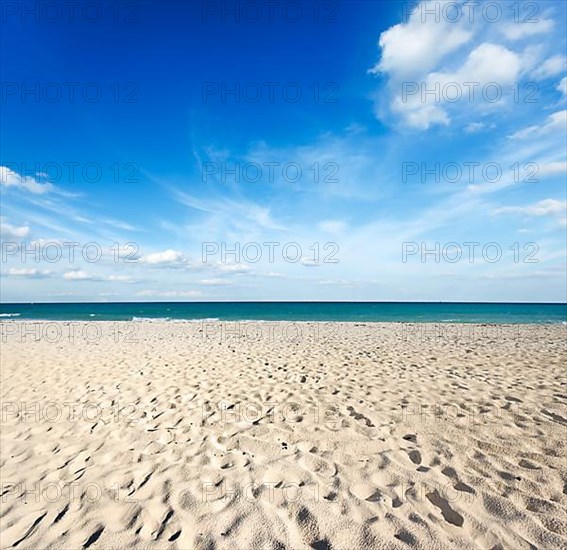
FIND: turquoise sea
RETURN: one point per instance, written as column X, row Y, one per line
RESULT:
column 451, row 312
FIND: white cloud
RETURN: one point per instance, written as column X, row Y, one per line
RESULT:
column 309, row 262
column 78, row 275
column 547, row 207
column 414, row 47
column 169, row 258
column 474, row 127
column 550, row 67
column 431, row 53
column 551, row 168
column 8, row 231
column 238, row 212
column 486, row 64
column 32, row 273
column 233, row 268
column 562, row 86
column 214, row 282
column 521, row 29
column 118, row 224
column 9, row 178
column 556, row 121
column 423, row 116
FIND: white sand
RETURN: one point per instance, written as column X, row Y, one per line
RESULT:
column 347, row 436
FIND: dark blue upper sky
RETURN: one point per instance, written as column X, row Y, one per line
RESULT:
column 169, row 52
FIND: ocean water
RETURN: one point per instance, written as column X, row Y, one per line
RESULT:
column 292, row 311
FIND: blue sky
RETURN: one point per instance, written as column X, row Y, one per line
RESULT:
column 153, row 154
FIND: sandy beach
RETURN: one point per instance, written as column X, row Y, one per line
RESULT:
column 186, row 435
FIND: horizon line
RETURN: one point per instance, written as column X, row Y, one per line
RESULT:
column 284, row 302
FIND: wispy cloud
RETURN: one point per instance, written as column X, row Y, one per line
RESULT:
column 11, row 179
column 546, row 207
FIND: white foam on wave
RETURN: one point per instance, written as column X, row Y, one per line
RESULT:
column 10, row 314
column 169, row 319
column 151, row 319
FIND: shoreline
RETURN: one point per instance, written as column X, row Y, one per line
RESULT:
column 298, row 312
column 217, row 320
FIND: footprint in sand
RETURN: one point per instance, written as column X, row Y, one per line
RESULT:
column 451, row 516
column 93, row 537
column 415, row 457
